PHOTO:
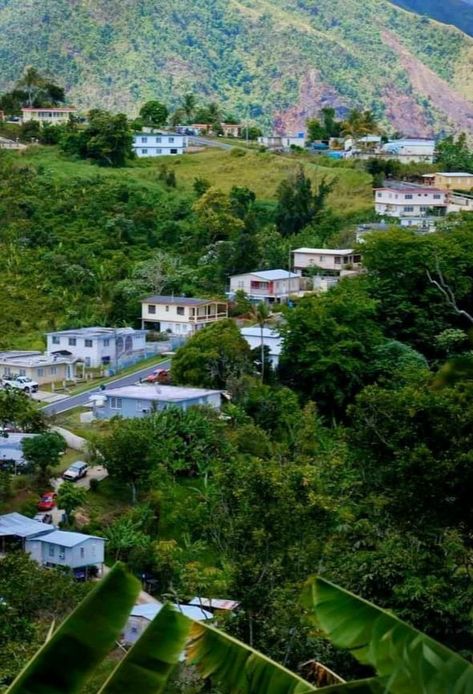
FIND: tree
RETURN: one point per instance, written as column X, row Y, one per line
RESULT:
column 189, row 104
column 69, row 497
column 261, row 314
column 215, row 216
column 33, row 83
column 298, row 206
column 107, row 139
column 125, row 535
column 315, row 130
column 19, row 411
column 42, row 452
column 211, row 356
column 154, row 114
column 360, row 123
column 328, row 345
column 455, row 155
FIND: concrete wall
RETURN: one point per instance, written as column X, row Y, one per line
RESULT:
column 132, row 408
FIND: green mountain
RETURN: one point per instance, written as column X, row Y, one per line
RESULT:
column 280, row 61
column 456, row 12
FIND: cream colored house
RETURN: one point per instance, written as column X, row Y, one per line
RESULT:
column 333, row 259
column 41, row 368
column 231, row 129
column 51, row 116
column 452, row 180
column 180, row 315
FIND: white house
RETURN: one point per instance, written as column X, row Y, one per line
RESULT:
column 460, row 202
column 154, row 143
column 141, row 400
column 52, row 116
column 271, row 339
column 98, row 346
column 141, row 616
column 283, row 142
column 410, row 203
column 83, row 554
column 273, row 286
column 332, row 259
column 42, row 368
column 180, row 315
column 410, row 150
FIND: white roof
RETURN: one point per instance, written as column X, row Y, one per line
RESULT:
column 21, row 526
column 151, row 609
column 270, row 274
column 216, row 603
column 67, row 539
column 158, row 392
column 461, row 174
column 97, row 331
column 324, row 251
column 34, row 360
column 255, row 331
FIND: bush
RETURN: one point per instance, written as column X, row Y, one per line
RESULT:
column 94, row 485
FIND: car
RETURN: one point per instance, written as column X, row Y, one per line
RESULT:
column 44, row 518
column 21, row 383
column 161, row 376
column 47, row 501
column 75, row 471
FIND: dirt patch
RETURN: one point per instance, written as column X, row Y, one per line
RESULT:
column 405, row 115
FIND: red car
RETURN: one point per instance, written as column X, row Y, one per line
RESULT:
column 47, row 501
column 161, row 376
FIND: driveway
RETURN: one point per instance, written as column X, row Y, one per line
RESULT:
column 83, row 399
column 97, row 472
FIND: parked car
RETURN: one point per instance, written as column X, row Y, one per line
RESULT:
column 161, row 376
column 21, row 383
column 47, row 501
column 75, row 471
column 44, row 518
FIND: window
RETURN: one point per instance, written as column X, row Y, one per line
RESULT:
column 151, row 308
column 167, row 309
column 144, row 139
column 174, row 151
column 115, row 403
column 321, row 259
column 338, row 260
column 56, row 340
column 159, row 139
column 408, row 197
column 87, row 361
column 408, row 209
column 379, row 195
column 437, row 197
column 51, row 550
column 82, row 552
column 22, row 372
column 259, row 285
column 62, row 553
column 88, row 343
column 144, row 151
column 159, row 150
column 72, row 342
column 171, row 139
column 53, row 370
column 40, row 372
column 106, row 342
column 180, row 310
column 423, row 208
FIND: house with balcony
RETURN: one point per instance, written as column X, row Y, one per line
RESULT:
column 154, row 143
column 180, row 315
column 97, row 347
column 52, row 116
column 411, row 204
column 325, row 260
column 140, row 400
column 83, row 554
column 272, row 286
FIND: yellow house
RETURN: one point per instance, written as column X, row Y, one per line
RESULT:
column 51, row 116
column 180, row 315
column 451, row 180
column 37, row 366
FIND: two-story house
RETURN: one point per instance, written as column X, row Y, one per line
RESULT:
column 83, row 554
column 137, row 401
column 154, row 143
column 272, row 286
column 410, row 203
column 52, row 116
column 98, row 346
column 333, row 260
column 180, row 315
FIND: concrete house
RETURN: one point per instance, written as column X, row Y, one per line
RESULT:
column 155, row 143
column 452, row 180
column 98, row 346
column 51, row 116
column 42, row 368
column 332, row 259
column 180, row 315
column 231, row 129
column 141, row 616
column 273, row 286
column 460, row 202
column 409, row 150
column 277, row 142
column 79, row 552
column 410, row 203
column 271, row 339
column 141, row 400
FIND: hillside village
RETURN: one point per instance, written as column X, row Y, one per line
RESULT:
column 225, row 390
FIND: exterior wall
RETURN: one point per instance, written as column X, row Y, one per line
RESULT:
column 103, row 350
column 259, row 288
column 158, row 144
column 182, row 319
column 133, row 408
column 273, row 343
column 231, row 130
column 443, row 180
column 460, row 203
column 133, row 629
column 400, row 203
column 51, row 116
column 41, row 374
column 326, row 261
column 88, row 553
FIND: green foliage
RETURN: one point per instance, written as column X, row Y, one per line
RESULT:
column 70, row 496
column 298, row 206
column 454, row 155
column 154, row 114
column 18, row 410
column 106, row 139
column 42, row 452
column 212, row 356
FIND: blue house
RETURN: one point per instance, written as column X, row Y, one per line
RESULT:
column 83, row 554
column 141, row 400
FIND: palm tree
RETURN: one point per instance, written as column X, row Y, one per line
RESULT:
column 32, row 82
column 261, row 314
column 189, row 103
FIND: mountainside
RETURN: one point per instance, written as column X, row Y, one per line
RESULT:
column 279, row 61
column 456, row 12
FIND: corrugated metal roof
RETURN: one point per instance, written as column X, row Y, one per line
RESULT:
column 21, row 526
column 67, row 539
column 151, row 609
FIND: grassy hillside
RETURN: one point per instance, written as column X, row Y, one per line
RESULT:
column 280, row 61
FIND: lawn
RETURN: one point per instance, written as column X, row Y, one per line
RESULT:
column 260, row 171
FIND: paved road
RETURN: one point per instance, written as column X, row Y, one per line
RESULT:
column 207, row 142
column 83, row 398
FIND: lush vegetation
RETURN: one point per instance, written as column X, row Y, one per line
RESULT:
column 257, row 58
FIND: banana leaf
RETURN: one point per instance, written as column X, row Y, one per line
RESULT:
column 407, row 660
column 369, row 686
column 148, row 665
column 82, row 641
column 238, row 668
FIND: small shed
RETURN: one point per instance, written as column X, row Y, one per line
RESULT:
column 16, row 530
column 142, row 615
column 216, row 604
column 83, row 554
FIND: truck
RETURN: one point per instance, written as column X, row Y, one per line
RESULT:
column 20, row 383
